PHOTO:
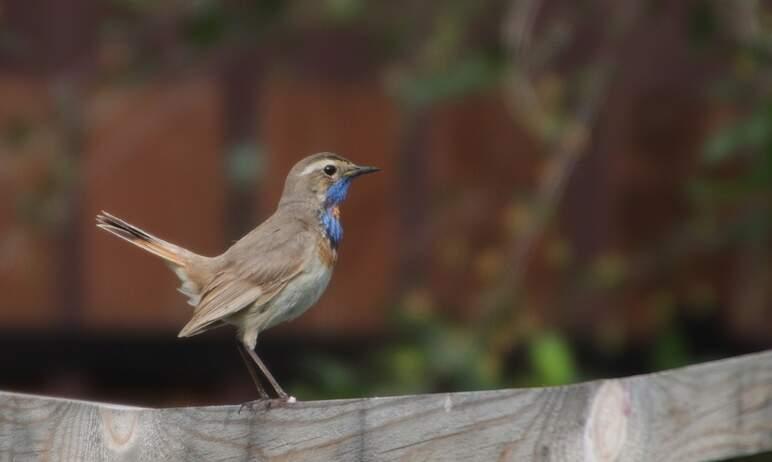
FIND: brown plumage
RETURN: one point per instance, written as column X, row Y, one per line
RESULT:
column 275, row 272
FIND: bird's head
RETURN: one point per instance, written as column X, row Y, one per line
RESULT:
column 324, row 178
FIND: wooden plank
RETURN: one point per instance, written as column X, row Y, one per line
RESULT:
column 705, row 412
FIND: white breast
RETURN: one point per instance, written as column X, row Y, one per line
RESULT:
column 301, row 293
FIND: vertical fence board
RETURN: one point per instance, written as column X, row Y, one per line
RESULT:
column 358, row 121
column 481, row 165
column 153, row 157
column 29, row 143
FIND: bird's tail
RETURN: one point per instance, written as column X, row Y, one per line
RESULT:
column 172, row 253
column 190, row 267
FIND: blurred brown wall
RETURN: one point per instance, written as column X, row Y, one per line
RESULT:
column 155, row 152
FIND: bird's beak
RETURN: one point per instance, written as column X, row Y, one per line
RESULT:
column 361, row 170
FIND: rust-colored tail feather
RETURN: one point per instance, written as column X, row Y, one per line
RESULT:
column 166, row 250
column 193, row 270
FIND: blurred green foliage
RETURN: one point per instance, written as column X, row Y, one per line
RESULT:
column 435, row 353
column 552, row 360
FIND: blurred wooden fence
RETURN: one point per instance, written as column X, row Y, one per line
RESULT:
column 699, row 413
column 159, row 151
column 155, row 154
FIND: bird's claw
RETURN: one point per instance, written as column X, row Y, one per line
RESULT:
column 266, row 404
column 253, row 405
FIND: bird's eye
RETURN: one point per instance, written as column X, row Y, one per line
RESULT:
column 330, row 170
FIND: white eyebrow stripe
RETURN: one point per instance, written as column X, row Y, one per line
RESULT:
column 315, row 166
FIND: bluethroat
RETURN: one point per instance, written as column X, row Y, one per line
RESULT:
column 274, row 273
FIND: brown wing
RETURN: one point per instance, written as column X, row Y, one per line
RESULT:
column 229, row 298
column 253, row 271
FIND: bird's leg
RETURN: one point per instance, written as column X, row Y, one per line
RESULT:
column 277, row 388
column 252, row 372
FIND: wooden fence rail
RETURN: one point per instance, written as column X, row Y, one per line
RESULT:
column 704, row 412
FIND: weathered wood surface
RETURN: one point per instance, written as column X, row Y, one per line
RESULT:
column 704, row 412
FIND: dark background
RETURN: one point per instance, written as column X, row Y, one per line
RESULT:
column 570, row 190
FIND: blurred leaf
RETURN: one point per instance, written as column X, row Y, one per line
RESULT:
column 16, row 132
column 206, row 26
column 451, row 351
column 552, row 360
column 752, row 132
column 461, row 78
column 703, row 23
column 670, row 351
column 345, row 10
column 608, row 270
column 417, row 307
column 408, row 367
column 330, row 379
column 243, row 165
column 140, row 6
column 558, row 253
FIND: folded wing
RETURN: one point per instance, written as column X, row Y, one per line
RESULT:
column 252, row 273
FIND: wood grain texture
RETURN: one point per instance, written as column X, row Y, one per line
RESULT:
column 704, row 412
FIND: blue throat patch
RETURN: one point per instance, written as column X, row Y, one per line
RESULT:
column 330, row 215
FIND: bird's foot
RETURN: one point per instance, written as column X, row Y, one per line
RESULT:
column 266, row 404
column 256, row 405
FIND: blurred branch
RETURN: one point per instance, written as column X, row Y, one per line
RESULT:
column 518, row 25
column 740, row 20
column 517, row 33
column 568, row 149
column 686, row 241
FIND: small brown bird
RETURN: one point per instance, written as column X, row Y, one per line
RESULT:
column 274, row 273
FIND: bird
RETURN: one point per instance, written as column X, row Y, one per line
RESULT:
column 274, row 273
